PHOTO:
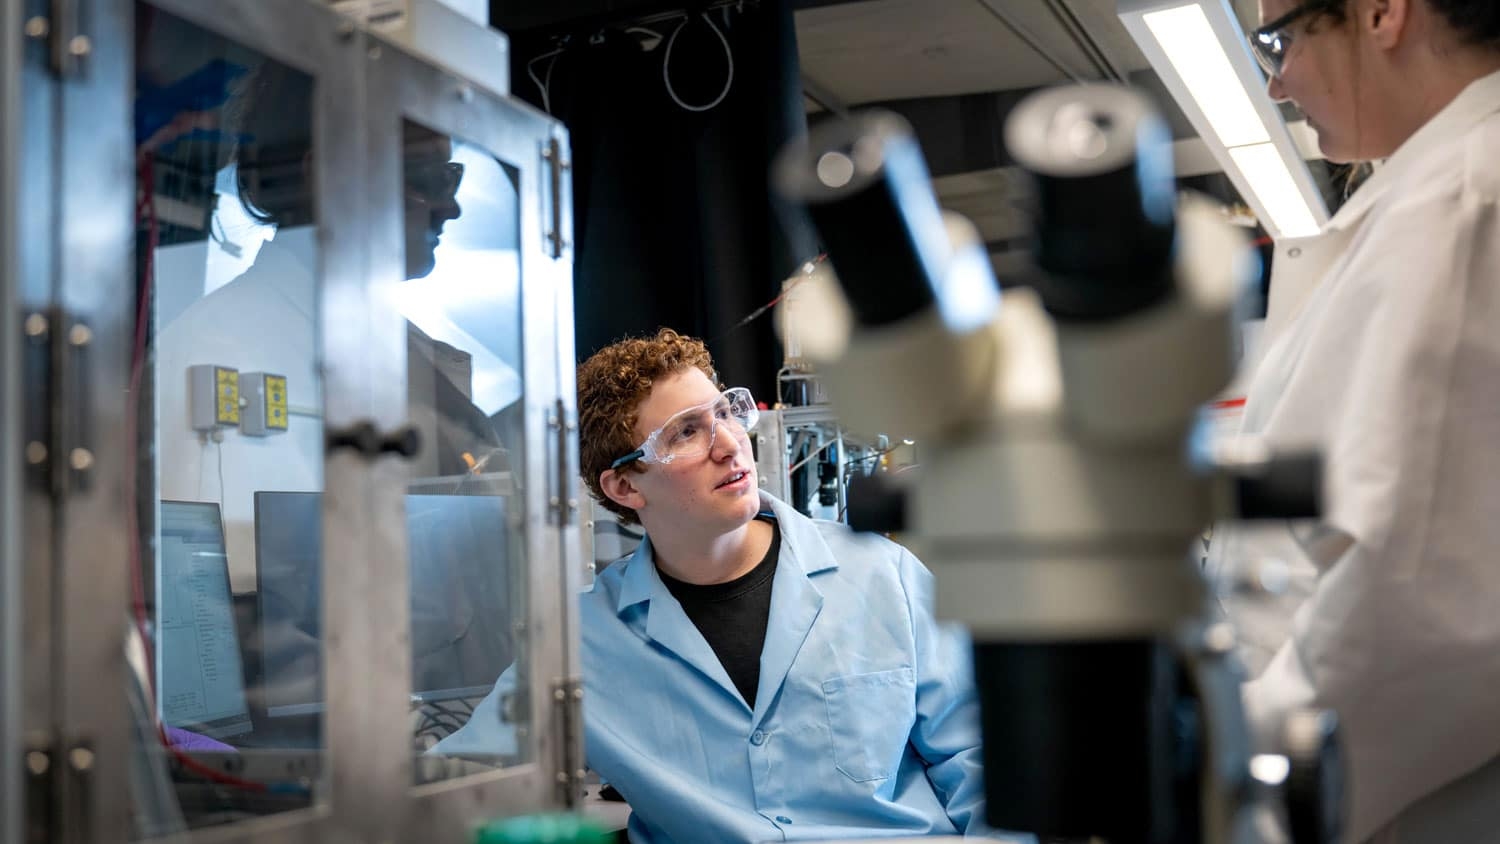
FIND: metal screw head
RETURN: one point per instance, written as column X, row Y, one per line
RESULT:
column 374, row 53
column 1218, row 638
column 80, row 335
column 80, row 46
column 37, row 763
column 1294, row 252
column 578, row 694
column 81, row 758
column 547, row 153
column 562, row 777
column 559, row 695
column 36, row 453
column 81, row 459
column 35, row 326
column 38, row 27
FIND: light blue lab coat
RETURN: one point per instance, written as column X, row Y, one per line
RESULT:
column 865, row 721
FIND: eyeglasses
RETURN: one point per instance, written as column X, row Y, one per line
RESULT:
column 434, row 179
column 1271, row 42
column 691, row 432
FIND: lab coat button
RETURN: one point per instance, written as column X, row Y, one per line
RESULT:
column 783, row 819
column 757, row 738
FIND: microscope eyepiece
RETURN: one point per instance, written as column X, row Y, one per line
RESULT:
column 865, row 184
column 1105, row 196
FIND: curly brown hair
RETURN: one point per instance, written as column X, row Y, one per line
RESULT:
column 612, row 384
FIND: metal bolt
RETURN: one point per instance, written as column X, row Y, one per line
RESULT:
column 36, row 325
column 554, row 502
column 572, row 504
column 578, row 694
column 36, row 453
column 38, row 27
column 37, row 762
column 81, row 758
column 566, row 163
column 559, row 695
column 1294, row 252
column 1219, row 638
column 547, row 153
column 580, row 774
column 562, row 777
column 80, row 335
column 80, row 46
column 81, row 459
column 571, row 425
column 374, row 53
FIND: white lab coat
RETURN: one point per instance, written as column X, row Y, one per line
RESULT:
column 1383, row 350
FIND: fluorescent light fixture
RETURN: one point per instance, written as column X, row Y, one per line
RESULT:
column 1263, row 167
column 1196, row 54
column 1200, row 53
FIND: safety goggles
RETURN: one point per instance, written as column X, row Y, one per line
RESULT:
column 1271, row 42
column 691, row 432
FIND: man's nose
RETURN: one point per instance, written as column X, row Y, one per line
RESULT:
column 1275, row 89
column 725, row 443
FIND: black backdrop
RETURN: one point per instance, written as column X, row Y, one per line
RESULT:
column 674, row 222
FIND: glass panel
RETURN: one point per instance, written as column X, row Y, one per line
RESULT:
column 228, row 599
column 465, row 513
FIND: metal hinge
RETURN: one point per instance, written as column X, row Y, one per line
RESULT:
column 562, row 497
column 555, row 163
column 67, row 46
column 567, row 702
column 59, row 790
column 57, row 446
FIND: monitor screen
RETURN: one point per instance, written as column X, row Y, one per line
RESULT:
column 459, row 556
column 199, row 676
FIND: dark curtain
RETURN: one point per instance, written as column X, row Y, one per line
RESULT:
column 673, row 219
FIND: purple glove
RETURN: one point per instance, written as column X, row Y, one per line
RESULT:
column 184, row 740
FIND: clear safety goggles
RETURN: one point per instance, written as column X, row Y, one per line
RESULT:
column 691, row 432
column 1270, row 43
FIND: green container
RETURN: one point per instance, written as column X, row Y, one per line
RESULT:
column 543, row 829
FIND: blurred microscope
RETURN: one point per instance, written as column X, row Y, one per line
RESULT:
column 1058, row 500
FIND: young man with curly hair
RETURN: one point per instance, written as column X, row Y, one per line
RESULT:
column 752, row 674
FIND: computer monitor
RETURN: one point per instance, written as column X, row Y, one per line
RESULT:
column 461, row 596
column 199, row 677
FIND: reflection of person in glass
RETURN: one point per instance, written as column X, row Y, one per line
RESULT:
column 430, row 182
column 266, row 320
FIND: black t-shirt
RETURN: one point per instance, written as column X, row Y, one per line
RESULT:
column 732, row 616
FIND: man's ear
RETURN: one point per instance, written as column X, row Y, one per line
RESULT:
column 1387, row 21
column 620, row 488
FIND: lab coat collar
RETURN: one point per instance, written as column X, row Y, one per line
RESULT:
column 795, row 604
column 801, row 546
column 1472, row 105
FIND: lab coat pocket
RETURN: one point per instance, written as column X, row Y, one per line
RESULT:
column 869, row 719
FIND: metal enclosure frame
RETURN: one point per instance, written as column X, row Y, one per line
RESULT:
column 66, row 148
column 521, row 138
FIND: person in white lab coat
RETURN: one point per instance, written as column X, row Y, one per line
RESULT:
column 1383, row 351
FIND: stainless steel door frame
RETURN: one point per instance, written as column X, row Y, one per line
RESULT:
column 517, row 135
column 361, row 801
column 12, row 557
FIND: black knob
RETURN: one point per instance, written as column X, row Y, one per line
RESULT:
column 1315, row 779
column 405, row 441
column 876, row 504
column 361, row 436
